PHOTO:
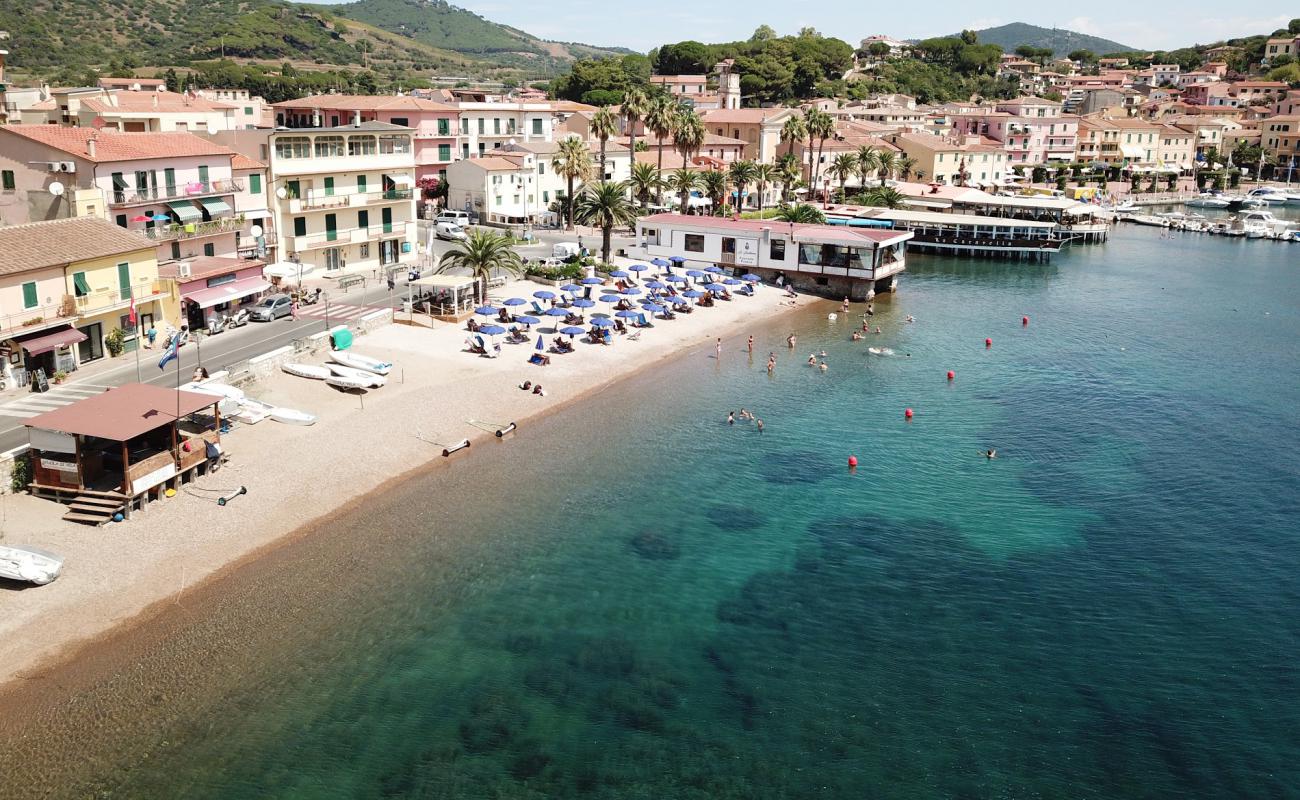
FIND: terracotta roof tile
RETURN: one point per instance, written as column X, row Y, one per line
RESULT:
column 115, row 146
column 241, row 161
column 366, row 102
column 37, row 245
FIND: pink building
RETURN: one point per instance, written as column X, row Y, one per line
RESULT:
column 213, row 285
column 1031, row 130
column 435, row 123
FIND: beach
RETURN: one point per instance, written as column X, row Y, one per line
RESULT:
column 298, row 475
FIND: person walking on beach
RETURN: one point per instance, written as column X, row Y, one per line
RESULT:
column 751, row 343
column 790, row 341
column 718, row 347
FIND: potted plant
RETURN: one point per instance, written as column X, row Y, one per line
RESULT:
column 59, row 376
column 115, row 341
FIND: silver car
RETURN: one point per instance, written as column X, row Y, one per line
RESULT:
column 271, row 307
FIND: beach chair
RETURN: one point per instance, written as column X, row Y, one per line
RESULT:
column 642, row 322
column 539, row 359
column 486, row 347
column 747, row 290
column 606, row 336
column 538, row 310
column 635, row 336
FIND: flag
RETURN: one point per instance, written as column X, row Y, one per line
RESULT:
column 171, row 351
column 131, row 316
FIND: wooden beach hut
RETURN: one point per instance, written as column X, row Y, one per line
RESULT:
column 117, row 450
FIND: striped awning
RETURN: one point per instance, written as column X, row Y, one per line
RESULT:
column 215, row 206
column 186, row 211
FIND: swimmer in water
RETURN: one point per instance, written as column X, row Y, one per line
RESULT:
column 760, row 425
column 856, row 336
column 911, row 318
column 812, row 359
column 790, row 340
column 822, row 366
column 878, row 329
column 823, row 354
column 731, row 418
column 990, row 453
column 771, row 365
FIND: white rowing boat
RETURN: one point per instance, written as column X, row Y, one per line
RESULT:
column 370, row 379
column 307, row 371
column 29, row 564
column 357, row 361
column 342, row 382
column 292, row 416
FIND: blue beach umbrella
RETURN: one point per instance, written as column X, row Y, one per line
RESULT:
column 571, row 287
column 160, row 218
column 695, row 273
column 591, row 281
column 656, row 285
column 619, row 273
column 632, row 290
column 557, row 312
column 715, row 287
column 609, row 298
column 627, row 314
column 638, row 268
column 602, row 322
column 653, row 308
column 540, row 344
column 677, row 279
column 693, row 293
column 583, row 302
column 573, row 330
column 677, row 259
column 732, row 282
column 751, row 277
column 487, row 311
column 544, row 295
column 714, row 269
column 492, row 330
column 527, row 320
column 659, row 262
column 514, row 301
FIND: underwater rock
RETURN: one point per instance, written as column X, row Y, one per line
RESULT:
column 655, row 546
column 735, row 517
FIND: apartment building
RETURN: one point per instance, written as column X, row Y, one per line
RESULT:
column 488, row 125
column 1031, row 130
column 968, row 160
column 343, row 197
column 500, row 189
column 1280, row 138
column 759, row 128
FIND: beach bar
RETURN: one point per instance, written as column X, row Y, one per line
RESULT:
column 115, row 451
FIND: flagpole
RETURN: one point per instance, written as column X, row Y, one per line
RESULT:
column 137, row 354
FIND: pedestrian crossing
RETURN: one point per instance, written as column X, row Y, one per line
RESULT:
column 337, row 311
column 26, row 404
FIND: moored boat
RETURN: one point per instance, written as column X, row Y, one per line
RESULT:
column 358, row 361
column 292, row 416
column 30, row 564
column 368, row 379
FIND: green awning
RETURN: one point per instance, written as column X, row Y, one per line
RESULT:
column 216, row 206
column 186, row 211
column 79, row 280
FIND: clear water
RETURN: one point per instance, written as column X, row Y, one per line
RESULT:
column 635, row 600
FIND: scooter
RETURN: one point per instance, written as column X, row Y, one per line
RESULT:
column 216, row 324
column 239, row 320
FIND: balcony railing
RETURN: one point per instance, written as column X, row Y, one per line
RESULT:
column 345, row 236
column 103, row 298
column 191, row 230
column 127, row 197
column 35, row 319
column 248, row 245
column 315, row 202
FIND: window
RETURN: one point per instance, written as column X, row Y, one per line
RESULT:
column 361, row 184
column 209, row 249
column 444, row 152
column 546, row 196
column 30, row 298
column 694, row 243
column 331, row 227
column 400, row 121
column 79, row 284
column 255, row 184
column 386, row 214
column 121, row 220
column 8, row 178
column 777, row 251
column 220, row 280
column 363, row 219
column 176, row 251
column 444, row 127
column 481, row 125
column 394, row 144
column 329, row 146
column 498, row 199
column 293, row 147
column 496, row 125
column 334, row 120
column 541, row 167
column 124, row 279
column 361, row 146
column 728, row 245
column 169, row 181
column 248, row 111
column 299, row 226
column 329, row 187
column 365, row 249
column 537, row 126
column 464, row 126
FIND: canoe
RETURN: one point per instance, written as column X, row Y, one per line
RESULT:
column 29, row 564
column 292, row 416
column 307, row 371
column 253, row 411
column 218, row 389
column 357, row 361
column 340, row 382
column 369, row 379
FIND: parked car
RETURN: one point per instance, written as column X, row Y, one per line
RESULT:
column 272, row 307
column 450, row 231
column 460, row 218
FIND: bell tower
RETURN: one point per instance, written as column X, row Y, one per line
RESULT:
column 728, row 84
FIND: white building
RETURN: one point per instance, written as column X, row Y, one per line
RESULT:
column 497, row 190
column 486, row 126
column 343, row 198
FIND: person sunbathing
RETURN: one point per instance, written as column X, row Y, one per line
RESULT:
column 504, row 315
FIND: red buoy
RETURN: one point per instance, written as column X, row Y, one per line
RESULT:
column 1024, row 320
column 853, row 461
column 908, row 413
column 951, row 374
column 988, row 342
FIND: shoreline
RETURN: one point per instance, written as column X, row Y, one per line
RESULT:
column 97, row 618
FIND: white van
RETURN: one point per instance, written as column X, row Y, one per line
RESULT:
column 565, row 250
column 460, row 218
column 450, row 231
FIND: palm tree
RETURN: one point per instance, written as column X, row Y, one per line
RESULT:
column 603, row 126
column 644, row 182
column 635, row 104
column 683, row 182
column 763, row 175
column 887, row 163
column 482, row 252
column 843, row 167
column 789, row 173
column 867, row 163
column 823, row 127
column 688, row 134
column 793, row 131
column 905, row 166
column 714, row 185
column 802, row 213
column 605, row 205
column 741, row 174
column 659, row 118
column 885, row 196
column 573, row 161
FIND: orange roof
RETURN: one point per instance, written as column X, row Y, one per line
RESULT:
column 136, row 102
column 744, row 115
column 497, row 163
column 115, row 146
column 241, row 161
column 366, row 102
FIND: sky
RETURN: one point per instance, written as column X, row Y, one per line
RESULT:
column 643, row 25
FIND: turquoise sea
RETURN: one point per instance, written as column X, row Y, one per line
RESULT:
column 634, row 599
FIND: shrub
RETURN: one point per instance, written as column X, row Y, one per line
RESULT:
column 562, row 272
column 115, row 341
column 21, row 473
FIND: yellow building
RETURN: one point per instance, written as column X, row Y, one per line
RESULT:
column 66, row 286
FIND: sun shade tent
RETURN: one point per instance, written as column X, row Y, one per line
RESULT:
column 456, row 284
column 215, row 206
column 186, row 211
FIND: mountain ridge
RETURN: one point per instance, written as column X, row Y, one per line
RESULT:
column 1060, row 40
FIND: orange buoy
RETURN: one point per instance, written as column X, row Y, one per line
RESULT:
column 988, row 342
column 951, row 374
column 853, row 461
column 907, row 414
column 1024, row 320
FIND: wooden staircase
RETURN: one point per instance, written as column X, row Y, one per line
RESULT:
column 95, row 508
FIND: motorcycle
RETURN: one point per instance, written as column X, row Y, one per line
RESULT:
column 239, row 320
column 216, row 324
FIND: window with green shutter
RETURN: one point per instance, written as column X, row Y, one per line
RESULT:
column 361, row 184
column 387, row 216
column 444, row 127
column 169, row 180
column 255, row 184
column 329, row 187
column 363, row 219
column 124, row 280
column 203, row 176
column 8, row 177
column 444, row 152
column 209, row 249
column 299, row 226
column 331, row 227
column 80, row 284
column 30, row 298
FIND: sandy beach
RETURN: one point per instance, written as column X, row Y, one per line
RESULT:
column 298, row 475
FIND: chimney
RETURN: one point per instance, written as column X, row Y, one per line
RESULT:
column 90, row 144
column 155, row 101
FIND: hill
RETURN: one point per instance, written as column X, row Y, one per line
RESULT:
column 439, row 24
column 1058, row 40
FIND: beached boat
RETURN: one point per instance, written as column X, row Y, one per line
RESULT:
column 29, row 564
column 1208, row 200
column 307, row 371
column 292, row 416
column 368, row 379
column 346, row 382
column 357, row 361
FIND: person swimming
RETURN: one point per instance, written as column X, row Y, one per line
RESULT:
column 812, row 359
column 911, row 318
column 822, row 366
column 990, row 453
column 731, row 418
column 857, row 337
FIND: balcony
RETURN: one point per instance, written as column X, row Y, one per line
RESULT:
column 193, row 189
column 192, row 230
column 248, row 245
column 317, row 202
column 36, row 319
column 346, row 236
column 105, row 299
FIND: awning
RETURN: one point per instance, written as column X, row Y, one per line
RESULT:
column 52, row 341
column 286, row 270
column 1132, row 151
column 79, row 280
column 403, row 180
column 216, row 206
column 186, row 211
column 207, row 298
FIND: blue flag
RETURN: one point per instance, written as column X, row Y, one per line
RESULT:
column 170, row 354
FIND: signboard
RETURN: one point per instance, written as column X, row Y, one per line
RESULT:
column 747, row 252
column 152, row 479
column 51, row 441
column 40, row 383
column 61, row 466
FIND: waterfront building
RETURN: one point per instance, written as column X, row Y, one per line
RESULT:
column 1280, row 138
column 968, row 160
column 759, row 128
column 957, row 234
column 1175, row 149
column 434, row 124
column 1072, row 220
column 824, row 259
column 66, row 286
column 1031, row 130
column 497, row 189
column 343, row 198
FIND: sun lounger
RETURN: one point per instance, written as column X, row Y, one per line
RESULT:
column 635, row 336
column 486, row 347
column 539, row 359
column 538, row 310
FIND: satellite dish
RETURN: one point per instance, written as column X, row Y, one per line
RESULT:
column 281, row 193
column 255, row 231
column 56, row 188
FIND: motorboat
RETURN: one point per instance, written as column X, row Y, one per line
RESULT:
column 29, row 564
column 292, row 416
column 1126, row 207
column 369, row 379
column 349, row 358
column 1208, row 200
column 307, row 371
column 1269, row 195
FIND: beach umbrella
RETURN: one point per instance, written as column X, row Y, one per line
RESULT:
column 609, row 298
column 677, row 279
column 714, row 269
column 573, row 330
column 141, row 218
column 715, row 287
column 557, row 312
column 619, row 273
column 695, row 273
column 527, row 320
column 632, row 290
column 751, row 277
column 627, row 314
column 160, row 218
column 638, row 268
column 487, row 311
column 656, row 285
column 602, row 322
column 732, row 282
column 540, row 344
column 653, row 308
column 514, row 301
column 544, row 295
column 677, row 259
column 583, row 302
column 591, row 281
column 492, row 330
column 571, row 287
column 693, row 293
column 659, row 262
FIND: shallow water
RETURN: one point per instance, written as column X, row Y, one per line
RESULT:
column 635, row 600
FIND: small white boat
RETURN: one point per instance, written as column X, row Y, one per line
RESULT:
column 369, row 379
column 357, row 361
column 292, row 416
column 307, row 371
column 1208, row 200
column 1126, row 207
column 29, row 564
column 344, row 382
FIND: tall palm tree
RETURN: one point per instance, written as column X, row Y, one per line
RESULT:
column 572, row 161
column 823, row 127
column 793, row 131
column 482, row 252
column 844, row 167
column 763, row 175
column 885, row 196
column 887, row 163
column 635, row 104
column 659, row 118
column 644, row 182
column 605, row 205
column 688, row 134
column 867, row 163
column 714, row 184
column 802, row 213
column 603, row 126
column 905, row 166
column 741, row 174
column 789, row 173
column 683, row 182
